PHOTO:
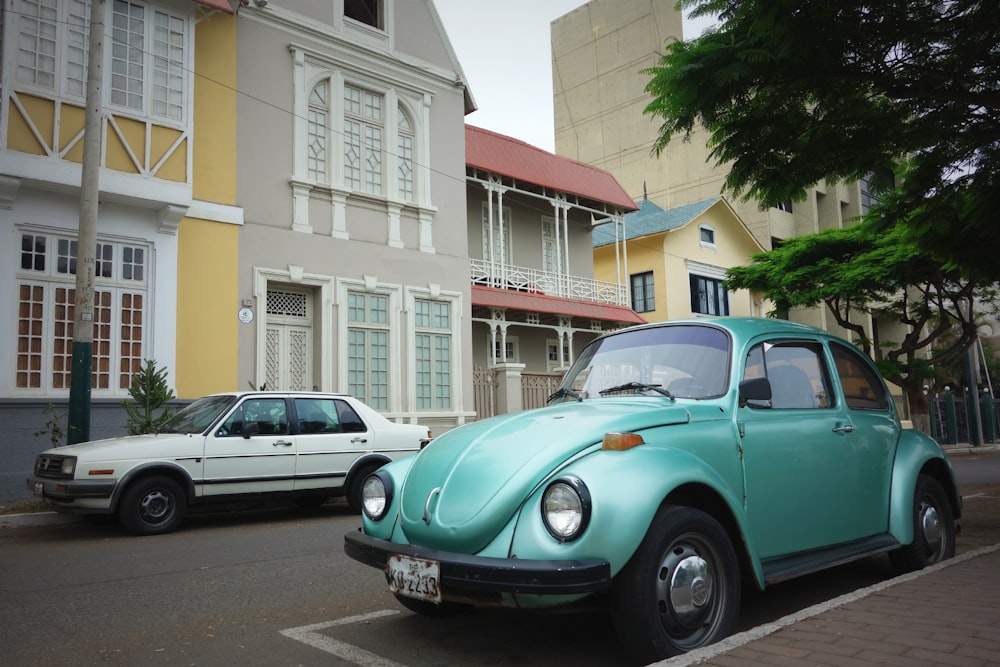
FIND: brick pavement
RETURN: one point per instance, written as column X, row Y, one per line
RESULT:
column 947, row 614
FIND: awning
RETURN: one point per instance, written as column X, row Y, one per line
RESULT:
column 543, row 303
column 221, row 5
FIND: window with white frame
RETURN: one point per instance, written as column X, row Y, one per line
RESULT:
column 496, row 245
column 369, row 12
column 550, row 245
column 404, row 157
column 707, row 236
column 149, row 53
column 46, row 287
column 433, row 354
column 363, row 128
column 368, row 348
column 555, row 360
column 708, row 296
column 319, row 114
column 509, row 345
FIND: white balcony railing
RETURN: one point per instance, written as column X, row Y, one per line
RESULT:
column 524, row 279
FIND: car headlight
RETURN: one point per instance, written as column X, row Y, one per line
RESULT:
column 68, row 466
column 376, row 495
column 566, row 508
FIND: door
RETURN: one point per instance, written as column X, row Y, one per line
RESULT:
column 253, row 451
column 800, row 455
column 288, row 342
column 331, row 437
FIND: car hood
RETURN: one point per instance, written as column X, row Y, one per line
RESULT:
column 471, row 481
column 162, row 445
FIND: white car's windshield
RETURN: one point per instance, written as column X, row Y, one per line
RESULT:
column 198, row 416
column 682, row 361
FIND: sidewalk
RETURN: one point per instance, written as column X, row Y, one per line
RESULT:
column 946, row 614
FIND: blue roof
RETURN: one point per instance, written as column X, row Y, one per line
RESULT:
column 651, row 219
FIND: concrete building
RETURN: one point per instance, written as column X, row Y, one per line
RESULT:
column 599, row 52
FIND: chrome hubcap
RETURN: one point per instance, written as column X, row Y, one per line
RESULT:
column 932, row 529
column 685, row 588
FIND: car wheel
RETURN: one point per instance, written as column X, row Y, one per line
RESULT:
column 152, row 505
column 432, row 610
column 681, row 588
column 933, row 528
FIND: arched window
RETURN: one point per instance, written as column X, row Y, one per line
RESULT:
column 319, row 113
column 404, row 151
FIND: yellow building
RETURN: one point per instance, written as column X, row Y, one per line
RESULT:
column 674, row 261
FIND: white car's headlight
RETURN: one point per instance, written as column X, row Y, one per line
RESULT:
column 68, row 466
column 376, row 495
column 566, row 508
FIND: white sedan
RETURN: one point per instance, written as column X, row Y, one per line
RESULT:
column 224, row 447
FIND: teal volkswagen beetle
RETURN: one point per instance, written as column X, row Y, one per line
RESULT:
column 676, row 462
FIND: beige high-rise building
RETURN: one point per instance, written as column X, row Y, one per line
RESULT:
column 599, row 52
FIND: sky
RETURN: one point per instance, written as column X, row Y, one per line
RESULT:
column 505, row 51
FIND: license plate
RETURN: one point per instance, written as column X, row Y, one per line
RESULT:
column 414, row 578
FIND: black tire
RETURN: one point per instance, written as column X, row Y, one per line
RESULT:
column 152, row 505
column 933, row 528
column 432, row 610
column 681, row 588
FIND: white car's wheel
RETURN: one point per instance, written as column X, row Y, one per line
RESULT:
column 152, row 505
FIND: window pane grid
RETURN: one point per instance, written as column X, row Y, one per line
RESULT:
column 127, row 54
column 44, row 345
column 432, row 351
column 368, row 349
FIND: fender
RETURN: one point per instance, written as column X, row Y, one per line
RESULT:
column 383, row 529
column 917, row 453
column 165, row 467
column 627, row 488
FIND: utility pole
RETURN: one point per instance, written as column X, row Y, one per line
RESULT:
column 86, row 247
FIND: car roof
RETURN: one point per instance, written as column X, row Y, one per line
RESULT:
column 740, row 328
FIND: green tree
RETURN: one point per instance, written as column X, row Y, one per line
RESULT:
column 150, row 392
column 861, row 271
column 795, row 91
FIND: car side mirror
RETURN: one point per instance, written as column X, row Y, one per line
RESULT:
column 250, row 429
column 756, row 389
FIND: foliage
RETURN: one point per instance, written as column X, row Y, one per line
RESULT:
column 795, row 91
column 53, row 425
column 150, row 392
column 862, row 271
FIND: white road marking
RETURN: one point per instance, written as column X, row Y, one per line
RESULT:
column 310, row 635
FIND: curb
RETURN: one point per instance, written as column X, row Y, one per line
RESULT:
column 706, row 653
column 33, row 519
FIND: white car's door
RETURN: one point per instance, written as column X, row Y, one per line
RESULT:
column 253, row 451
column 330, row 436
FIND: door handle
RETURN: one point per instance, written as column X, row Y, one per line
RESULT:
column 353, row 440
column 282, row 443
column 846, row 428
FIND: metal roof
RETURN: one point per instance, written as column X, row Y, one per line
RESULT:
column 510, row 157
column 651, row 219
column 543, row 303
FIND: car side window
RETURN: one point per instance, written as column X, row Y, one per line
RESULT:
column 317, row 415
column 350, row 421
column 863, row 388
column 796, row 372
column 258, row 416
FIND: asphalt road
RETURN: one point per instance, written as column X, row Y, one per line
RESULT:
column 273, row 587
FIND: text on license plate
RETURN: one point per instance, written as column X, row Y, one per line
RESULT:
column 414, row 578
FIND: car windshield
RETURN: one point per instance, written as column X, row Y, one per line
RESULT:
column 678, row 361
column 198, row 416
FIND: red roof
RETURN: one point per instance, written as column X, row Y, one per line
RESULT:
column 221, row 5
column 507, row 156
column 542, row 303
